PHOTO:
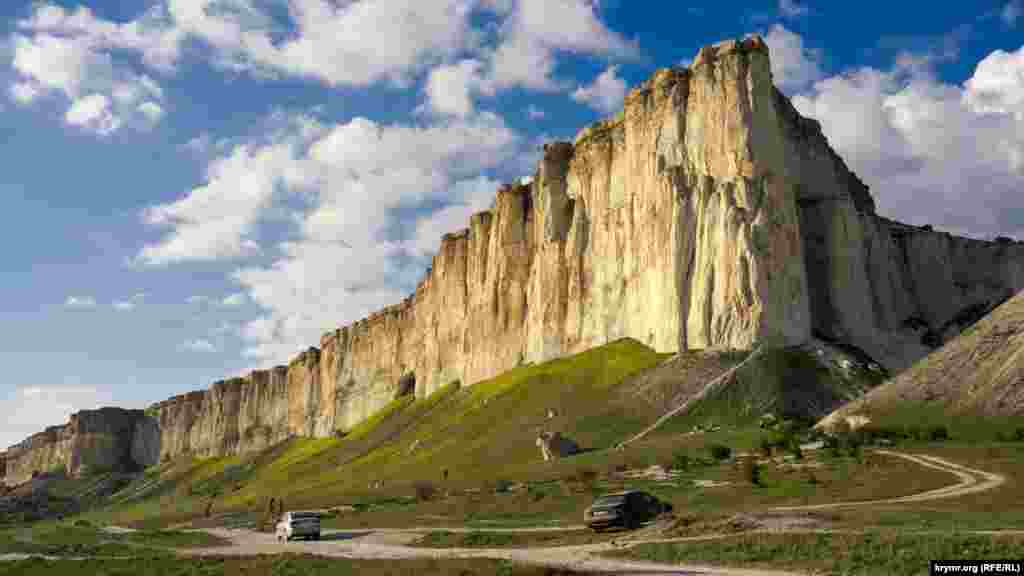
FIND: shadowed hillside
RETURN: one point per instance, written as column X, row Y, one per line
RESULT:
column 976, row 381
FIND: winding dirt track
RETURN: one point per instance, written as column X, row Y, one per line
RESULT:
column 394, row 543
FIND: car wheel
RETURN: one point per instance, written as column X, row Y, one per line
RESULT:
column 630, row 522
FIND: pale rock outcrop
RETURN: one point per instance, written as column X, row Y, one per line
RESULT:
column 553, row 445
column 91, row 441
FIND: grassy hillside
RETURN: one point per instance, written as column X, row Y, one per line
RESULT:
column 974, row 385
column 487, row 432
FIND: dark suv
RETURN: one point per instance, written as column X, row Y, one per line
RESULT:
column 627, row 509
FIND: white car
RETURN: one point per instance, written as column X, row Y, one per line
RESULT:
column 298, row 525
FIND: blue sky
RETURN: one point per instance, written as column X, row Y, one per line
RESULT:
column 194, row 188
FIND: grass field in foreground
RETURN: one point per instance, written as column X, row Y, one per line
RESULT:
column 68, row 539
column 870, row 554
column 816, row 479
column 290, row 565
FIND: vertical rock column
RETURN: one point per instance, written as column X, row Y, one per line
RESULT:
column 548, row 287
column 747, row 283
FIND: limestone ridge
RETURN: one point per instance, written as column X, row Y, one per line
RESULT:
column 96, row 440
column 707, row 214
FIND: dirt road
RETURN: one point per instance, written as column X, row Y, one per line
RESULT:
column 394, row 543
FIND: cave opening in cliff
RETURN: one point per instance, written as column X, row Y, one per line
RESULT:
column 406, row 385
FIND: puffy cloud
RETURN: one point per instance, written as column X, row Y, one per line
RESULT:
column 449, row 88
column 93, row 112
column 794, row 66
column 536, row 30
column 355, row 43
column 69, row 53
column 374, row 199
column 80, row 302
column 933, row 153
column 997, row 85
column 28, row 409
column 605, row 94
column 217, row 219
column 198, row 345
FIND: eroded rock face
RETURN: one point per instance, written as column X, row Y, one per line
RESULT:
column 708, row 214
column 893, row 290
column 92, row 440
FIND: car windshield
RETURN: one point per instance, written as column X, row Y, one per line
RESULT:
column 610, row 500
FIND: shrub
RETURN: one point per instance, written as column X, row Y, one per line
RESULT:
column 719, row 451
column 1018, row 434
column 766, row 446
column 681, row 460
column 425, row 490
column 83, row 523
column 502, row 485
column 795, row 450
column 938, row 433
column 832, row 447
column 752, row 471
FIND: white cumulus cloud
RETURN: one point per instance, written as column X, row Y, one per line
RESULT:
column 606, row 92
column 794, row 66
column 933, row 153
column 57, row 51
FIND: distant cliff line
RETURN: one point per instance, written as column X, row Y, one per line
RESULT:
column 707, row 214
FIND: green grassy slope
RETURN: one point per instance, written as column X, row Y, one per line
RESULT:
column 482, row 433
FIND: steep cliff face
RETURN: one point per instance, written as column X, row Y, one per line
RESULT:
column 895, row 291
column 104, row 439
column 707, row 214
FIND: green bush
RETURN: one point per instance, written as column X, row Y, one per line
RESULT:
column 794, row 449
column 938, row 433
column 766, row 446
column 719, row 451
column 681, row 460
column 1018, row 434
